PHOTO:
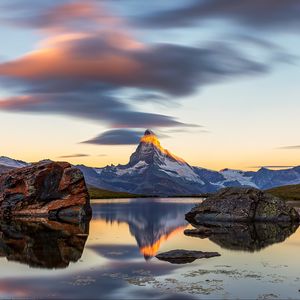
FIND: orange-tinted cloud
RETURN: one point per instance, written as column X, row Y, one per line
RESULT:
column 91, row 69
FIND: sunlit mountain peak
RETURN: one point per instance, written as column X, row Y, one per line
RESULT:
column 150, row 138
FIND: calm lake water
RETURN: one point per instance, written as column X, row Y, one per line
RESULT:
column 116, row 259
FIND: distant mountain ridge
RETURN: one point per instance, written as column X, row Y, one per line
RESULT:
column 153, row 170
column 12, row 163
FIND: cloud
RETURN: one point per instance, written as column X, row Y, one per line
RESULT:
column 94, row 61
column 86, row 76
column 117, row 137
column 74, row 155
column 272, row 167
column 294, row 147
column 90, row 67
column 267, row 14
column 55, row 16
column 92, row 106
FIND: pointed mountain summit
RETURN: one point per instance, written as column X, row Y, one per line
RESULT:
column 152, row 170
column 150, row 151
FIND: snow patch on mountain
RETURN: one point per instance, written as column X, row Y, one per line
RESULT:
column 177, row 169
column 237, row 175
column 137, row 168
column 12, row 163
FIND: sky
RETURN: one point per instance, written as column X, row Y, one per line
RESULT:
column 217, row 80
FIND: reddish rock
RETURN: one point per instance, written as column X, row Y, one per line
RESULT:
column 52, row 189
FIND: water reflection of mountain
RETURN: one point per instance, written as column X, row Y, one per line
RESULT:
column 150, row 222
column 42, row 243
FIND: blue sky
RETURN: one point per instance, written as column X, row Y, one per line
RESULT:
column 218, row 80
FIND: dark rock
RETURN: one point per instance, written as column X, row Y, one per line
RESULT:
column 52, row 189
column 245, row 236
column 242, row 205
column 201, row 232
column 184, row 256
column 42, row 243
column 4, row 169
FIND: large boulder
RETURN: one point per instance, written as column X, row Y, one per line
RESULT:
column 242, row 205
column 48, row 189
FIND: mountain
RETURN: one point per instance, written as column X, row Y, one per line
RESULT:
column 288, row 192
column 96, row 193
column 153, row 170
column 7, row 164
column 12, row 163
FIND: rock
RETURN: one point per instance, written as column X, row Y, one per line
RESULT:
column 4, row 169
column 184, row 256
column 201, row 232
column 42, row 243
column 250, row 237
column 242, row 205
column 51, row 189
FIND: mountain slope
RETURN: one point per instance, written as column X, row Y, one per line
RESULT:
column 12, row 163
column 288, row 192
column 96, row 193
column 151, row 170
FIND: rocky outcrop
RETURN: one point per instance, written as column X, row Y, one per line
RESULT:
column 50, row 189
column 184, row 256
column 242, row 205
column 244, row 236
column 42, row 243
column 4, row 169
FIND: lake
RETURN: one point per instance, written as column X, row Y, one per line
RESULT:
column 113, row 257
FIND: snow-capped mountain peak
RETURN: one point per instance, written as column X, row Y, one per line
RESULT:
column 152, row 169
column 151, row 151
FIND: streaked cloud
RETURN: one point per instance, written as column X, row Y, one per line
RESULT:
column 91, row 65
column 117, row 137
column 74, row 155
column 294, row 147
column 272, row 167
column 267, row 14
column 87, row 74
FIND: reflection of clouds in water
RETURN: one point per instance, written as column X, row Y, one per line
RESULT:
column 116, row 252
column 106, row 282
column 112, row 267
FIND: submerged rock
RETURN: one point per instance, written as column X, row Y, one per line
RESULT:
column 42, row 243
column 244, row 236
column 184, row 256
column 52, row 189
column 242, row 205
